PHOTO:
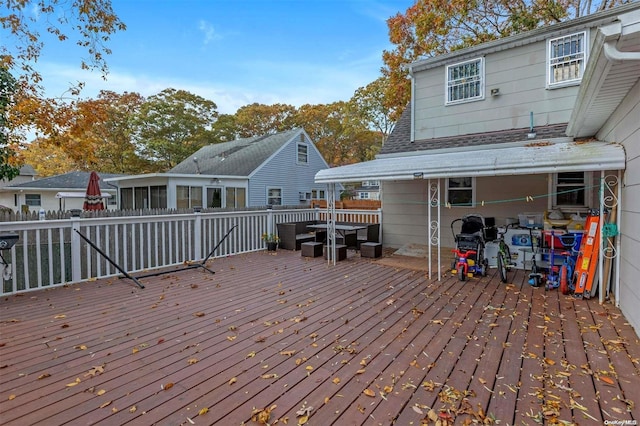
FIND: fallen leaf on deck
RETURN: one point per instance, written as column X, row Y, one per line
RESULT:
column 80, row 347
column 73, row 383
column 95, row 371
column 167, row 386
column 101, row 392
column 60, row 316
column 231, row 338
column 192, row 361
column 308, row 368
column 250, row 355
column 361, row 371
column 606, row 379
column 106, row 404
column 549, row 361
column 369, row 392
column 262, row 415
column 233, row 380
column 44, row 375
column 287, row 353
column 12, row 397
column 269, row 376
column 336, row 380
column 198, row 314
column 417, row 410
column 203, row 411
column 133, row 409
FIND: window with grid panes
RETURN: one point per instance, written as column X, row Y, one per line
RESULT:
column 567, row 58
column 465, row 81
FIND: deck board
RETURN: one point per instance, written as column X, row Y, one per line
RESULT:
column 192, row 340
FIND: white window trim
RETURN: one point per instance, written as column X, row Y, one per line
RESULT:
column 576, row 81
column 279, row 188
column 482, row 82
column 473, row 193
column 298, row 145
column 588, row 192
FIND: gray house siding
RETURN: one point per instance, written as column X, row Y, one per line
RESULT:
column 520, row 76
column 623, row 127
column 283, row 171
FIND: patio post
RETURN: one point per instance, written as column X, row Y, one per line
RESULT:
column 197, row 233
column 602, row 242
column 76, row 271
column 270, row 220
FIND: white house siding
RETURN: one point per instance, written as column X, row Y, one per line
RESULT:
column 283, row 171
column 520, row 76
column 623, row 127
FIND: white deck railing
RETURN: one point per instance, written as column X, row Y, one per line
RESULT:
column 52, row 252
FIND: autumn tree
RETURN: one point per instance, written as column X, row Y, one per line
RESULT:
column 259, row 119
column 172, row 125
column 372, row 108
column 47, row 159
column 434, row 27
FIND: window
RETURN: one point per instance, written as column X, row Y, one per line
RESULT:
column 363, row 195
column 570, row 189
column 566, row 59
column 158, row 197
column 461, row 191
column 188, row 196
column 32, row 200
column 465, row 81
column 236, row 197
column 274, row 196
column 303, row 156
column 318, row 194
column 126, row 198
column 214, row 197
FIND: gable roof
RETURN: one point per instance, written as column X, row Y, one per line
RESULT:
column 236, row 158
column 66, row 181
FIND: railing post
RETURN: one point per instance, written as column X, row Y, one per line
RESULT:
column 197, row 234
column 76, row 258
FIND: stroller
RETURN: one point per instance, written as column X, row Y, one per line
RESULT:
column 469, row 252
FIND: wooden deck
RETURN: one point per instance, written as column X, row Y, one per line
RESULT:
column 276, row 336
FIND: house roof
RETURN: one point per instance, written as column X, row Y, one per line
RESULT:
column 66, row 181
column 399, row 141
column 612, row 74
column 525, row 157
column 236, row 158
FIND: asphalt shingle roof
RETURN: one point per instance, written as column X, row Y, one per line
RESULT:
column 236, row 158
column 67, row 181
column 399, row 140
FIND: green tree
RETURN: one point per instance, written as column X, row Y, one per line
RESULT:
column 372, row 108
column 8, row 167
column 259, row 119
column 172, row 125
column 224, row 129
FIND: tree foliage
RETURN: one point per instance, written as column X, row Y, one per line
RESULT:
column 434, row 27
column 259, row 119
column 8, row 167
column 172, row 125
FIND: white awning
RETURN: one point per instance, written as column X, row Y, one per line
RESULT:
column 79, row 195
column 496, row 160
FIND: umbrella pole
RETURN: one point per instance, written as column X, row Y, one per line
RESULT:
column 125, row 273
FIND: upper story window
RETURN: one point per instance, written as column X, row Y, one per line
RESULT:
column 567, row 59
column 465, row 81
column 303, row 153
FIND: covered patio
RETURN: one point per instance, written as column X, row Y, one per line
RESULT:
column 273, row 337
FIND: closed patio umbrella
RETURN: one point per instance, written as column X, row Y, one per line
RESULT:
column 93, row 198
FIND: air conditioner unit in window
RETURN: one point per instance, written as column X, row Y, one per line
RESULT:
column 304, row 196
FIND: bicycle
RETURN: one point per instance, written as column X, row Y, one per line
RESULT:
column 505, row 263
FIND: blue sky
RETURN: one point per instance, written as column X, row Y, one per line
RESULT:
column 236, row 52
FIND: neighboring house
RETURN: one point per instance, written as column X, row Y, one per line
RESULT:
column 276, row 169
column 528, row 123
column 61, row 192
column 27, row 174
column 368, row 190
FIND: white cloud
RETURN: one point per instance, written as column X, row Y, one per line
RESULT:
column 208, row 31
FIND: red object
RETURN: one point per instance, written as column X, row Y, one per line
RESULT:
column 93, row 198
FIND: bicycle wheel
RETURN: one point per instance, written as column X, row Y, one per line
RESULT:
column 502, row 267
column 564, row 279
column 507, row 257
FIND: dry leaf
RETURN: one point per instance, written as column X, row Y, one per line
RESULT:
column 74, row 383
column 233, row 380
column 308, row 368
column 198, row 314
column 336, row 380
column 417, row 410
column 203, row 411
column 549, row 361
column 101, row 392
column 269, row 376
column 250, row 355
column 105, row 404
column 361, row 371
column 287, row 353
column 606, row 379
column 192, row 361
column 167, row 386
column 369, row 392
column 302, row 420
column 81, row 347
column 44, row 375
column 231, row 338
column 388, row 389
column 12, row 397
column 133, row 409
column 60, row 316
column 135, row 350
column 481, row 380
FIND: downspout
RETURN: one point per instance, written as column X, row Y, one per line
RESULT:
column 411, row 104
column 613, row 54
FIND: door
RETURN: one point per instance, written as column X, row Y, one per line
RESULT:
column 214, row 197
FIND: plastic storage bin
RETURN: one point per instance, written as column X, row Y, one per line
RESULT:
column 531, row 220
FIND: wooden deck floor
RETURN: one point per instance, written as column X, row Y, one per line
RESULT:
column 276, row 336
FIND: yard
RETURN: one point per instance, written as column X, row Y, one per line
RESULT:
column 276, row 338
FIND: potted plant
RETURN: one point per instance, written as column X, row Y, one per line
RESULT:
column 271, row 240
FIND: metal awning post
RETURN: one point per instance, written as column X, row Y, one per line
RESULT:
column 433, row 226
column 331, row 224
